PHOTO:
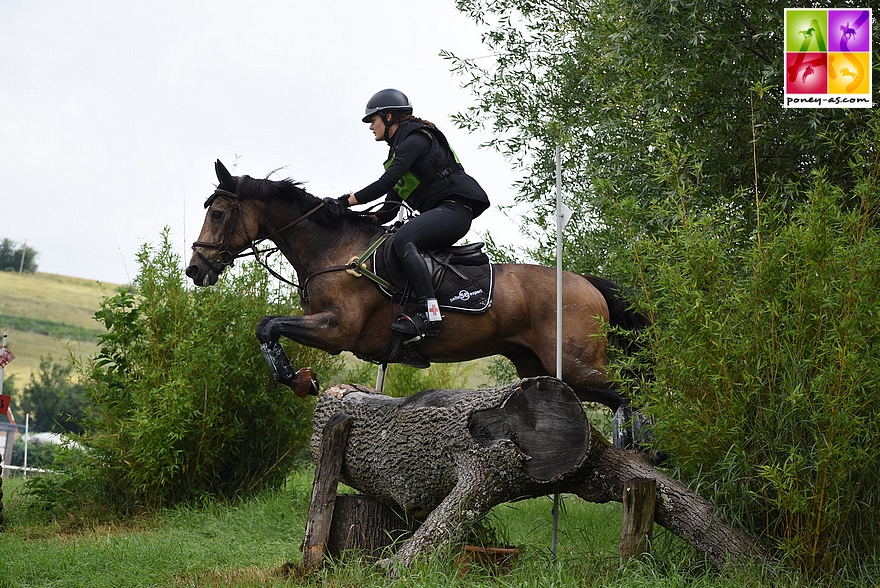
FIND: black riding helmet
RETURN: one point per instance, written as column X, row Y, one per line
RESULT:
column 389, row 100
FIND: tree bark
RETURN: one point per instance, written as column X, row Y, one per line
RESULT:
column 321, row 506
column 451, row 455
column 363, row 523
column 637, row 527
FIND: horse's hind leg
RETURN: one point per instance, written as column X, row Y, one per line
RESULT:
column 607, row 394
column 630, row 428
column 527, row 364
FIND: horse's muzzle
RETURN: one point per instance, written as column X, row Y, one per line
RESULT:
column 202, row 276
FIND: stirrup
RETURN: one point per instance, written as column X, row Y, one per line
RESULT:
column 416, row 327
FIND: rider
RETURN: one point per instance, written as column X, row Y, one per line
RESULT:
column 422, row 170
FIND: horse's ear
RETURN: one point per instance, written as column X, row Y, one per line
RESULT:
column 227, row 182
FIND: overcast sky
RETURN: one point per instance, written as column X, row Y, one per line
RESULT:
column 113, row 112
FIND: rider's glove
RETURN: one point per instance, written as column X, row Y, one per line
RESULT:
column 335, row 203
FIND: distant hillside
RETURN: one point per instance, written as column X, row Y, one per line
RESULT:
column 44, row 315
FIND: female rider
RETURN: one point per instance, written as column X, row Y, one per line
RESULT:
column 422, row 170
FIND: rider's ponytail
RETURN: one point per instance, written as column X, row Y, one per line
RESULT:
column 409, row 117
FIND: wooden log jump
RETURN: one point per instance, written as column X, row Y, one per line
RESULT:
column 449, row 456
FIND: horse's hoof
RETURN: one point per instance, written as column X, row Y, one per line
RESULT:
column 282, row 371
column 630, row 428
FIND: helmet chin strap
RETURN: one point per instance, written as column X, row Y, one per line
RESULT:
column 388, row 125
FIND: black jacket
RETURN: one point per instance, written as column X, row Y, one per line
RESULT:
column 423, row 170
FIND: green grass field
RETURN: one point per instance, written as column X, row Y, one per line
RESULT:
column 246, row 545
column 45, row 314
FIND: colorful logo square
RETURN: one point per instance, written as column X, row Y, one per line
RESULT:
column 827, row 58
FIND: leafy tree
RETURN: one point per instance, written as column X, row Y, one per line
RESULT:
column 622, row 86
column 747, row 230
column 182, row 404
column 54, row 402
column 10, row 257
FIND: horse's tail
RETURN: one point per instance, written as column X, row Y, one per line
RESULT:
column 621, row 314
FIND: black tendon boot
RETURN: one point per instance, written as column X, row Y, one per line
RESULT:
column 426, row 321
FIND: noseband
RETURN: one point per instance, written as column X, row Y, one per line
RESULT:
column 227, row 258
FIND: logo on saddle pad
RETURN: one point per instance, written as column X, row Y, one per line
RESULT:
column 464, row 296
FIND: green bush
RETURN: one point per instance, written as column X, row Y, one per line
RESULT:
column 183, row 406
column 54, row 401
column 765, row 387
column 39, row 455
column 402, row 380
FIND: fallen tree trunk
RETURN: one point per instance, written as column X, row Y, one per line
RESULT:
column 451, row 455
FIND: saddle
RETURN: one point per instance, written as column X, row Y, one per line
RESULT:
column 463, row 279
column 462, row 275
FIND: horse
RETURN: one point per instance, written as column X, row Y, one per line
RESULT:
column 341, row 312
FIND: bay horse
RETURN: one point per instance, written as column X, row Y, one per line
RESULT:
column 341, row 312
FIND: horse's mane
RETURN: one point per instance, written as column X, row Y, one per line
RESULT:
column 331, row 215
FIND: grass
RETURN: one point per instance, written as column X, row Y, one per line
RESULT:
column 247, row 544
column 46, row 313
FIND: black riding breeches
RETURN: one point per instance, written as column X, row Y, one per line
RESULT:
column 441, row 226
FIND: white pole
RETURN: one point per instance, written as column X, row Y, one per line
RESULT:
column 3, row 369
column 382, row 373
column 559, row 227
column 380, row 378
column 554, row 539
column 23, row 251
column 27, row 438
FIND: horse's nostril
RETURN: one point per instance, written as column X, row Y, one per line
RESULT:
column 192, row 272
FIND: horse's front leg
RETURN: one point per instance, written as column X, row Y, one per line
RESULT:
column 320, row 330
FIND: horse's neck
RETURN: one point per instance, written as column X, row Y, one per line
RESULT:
column 310, row 247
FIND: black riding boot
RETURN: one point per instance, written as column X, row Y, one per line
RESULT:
column 419, row 325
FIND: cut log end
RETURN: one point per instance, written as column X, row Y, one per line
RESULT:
column 545, row 421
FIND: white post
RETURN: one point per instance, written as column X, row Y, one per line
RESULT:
column 554, row 538
column 27, row 438
column 559, row 227
column 382, row 373
column 3, row 368
column 23, row 251
column 380, row 378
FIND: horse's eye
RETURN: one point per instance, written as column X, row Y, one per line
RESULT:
column 216, row 214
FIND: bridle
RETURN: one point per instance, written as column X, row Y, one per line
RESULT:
column 356, row 266
column 227, row 258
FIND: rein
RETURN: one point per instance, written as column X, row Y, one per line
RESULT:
column 226, row 257
column 356, row 266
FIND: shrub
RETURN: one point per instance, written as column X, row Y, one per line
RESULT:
column 54, row 402
column 765, row 365
column 183, row 405
column 402, row 380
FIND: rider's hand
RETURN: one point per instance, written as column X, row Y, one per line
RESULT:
column 343, row 200
column 335, row 203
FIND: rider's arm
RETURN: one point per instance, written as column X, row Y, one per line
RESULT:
column 413, row 147
column 389, row 209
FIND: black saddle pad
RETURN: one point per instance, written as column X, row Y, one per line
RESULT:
column 463, row 276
